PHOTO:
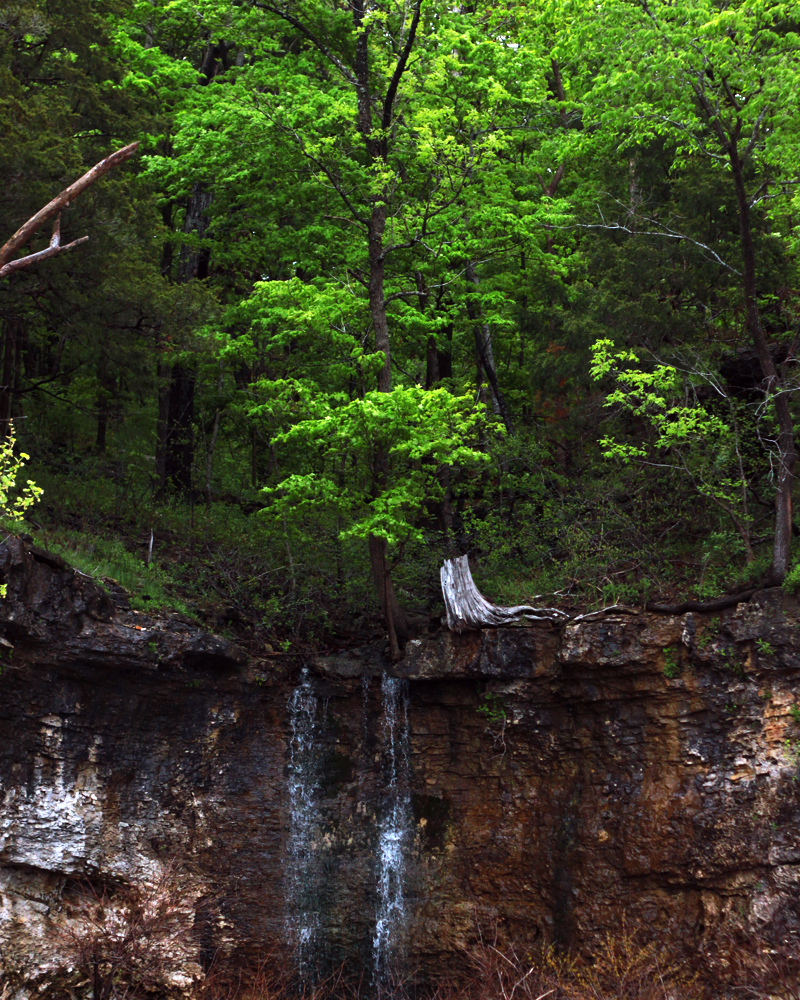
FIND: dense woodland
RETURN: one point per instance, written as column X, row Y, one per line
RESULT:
column 388, row 281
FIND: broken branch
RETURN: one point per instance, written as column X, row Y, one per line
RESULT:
column 54, row 209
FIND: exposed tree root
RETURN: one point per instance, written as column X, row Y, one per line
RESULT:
column 704, row 607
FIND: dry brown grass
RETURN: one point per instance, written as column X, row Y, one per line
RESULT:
column 131, row 944
column 624, row 967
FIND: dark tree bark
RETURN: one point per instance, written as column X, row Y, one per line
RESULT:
column 106, row 394
column 11, row 335
column 163, row 379
column 396, row 622
column 175, row 438
column 179, row 449
column 485, row 355
column 432, row 372
column 786, row 450
column 380, row 322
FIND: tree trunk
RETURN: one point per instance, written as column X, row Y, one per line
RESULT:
column 485, row 355
column 193, row 263
column 786, row 449
column 104, row 397
column 180, row 440
column 102, row 423
column 178, row 410
column 210, row 456
column 163, row 378
column 432, row 375
column 377, row 307
column 396, row 623
column 9, row 349
column 468, row 609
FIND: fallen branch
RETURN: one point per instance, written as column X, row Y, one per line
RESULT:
column 467, row 608
column 53, row 209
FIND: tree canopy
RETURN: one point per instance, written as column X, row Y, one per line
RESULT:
column 391, row 282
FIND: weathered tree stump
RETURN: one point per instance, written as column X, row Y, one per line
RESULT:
column 468, row 609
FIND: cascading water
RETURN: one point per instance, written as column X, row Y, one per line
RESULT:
column 317, row 855
column 395, row 829
column 304, row 870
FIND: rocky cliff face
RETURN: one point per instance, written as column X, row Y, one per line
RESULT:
column 546, row 783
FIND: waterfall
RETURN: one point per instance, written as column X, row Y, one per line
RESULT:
column 304, row 871
column 395, row 829
column 311, row 867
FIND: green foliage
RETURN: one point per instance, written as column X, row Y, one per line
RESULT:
column 791, row 582
column 671, row 665
column 792, row 751
column 764, row 647
column 416, row 433
column 493, row 709
column 14, row 500
column 690, row 438
column 794, row 711
column 549, row 178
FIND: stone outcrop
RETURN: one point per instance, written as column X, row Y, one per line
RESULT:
column 555, row 781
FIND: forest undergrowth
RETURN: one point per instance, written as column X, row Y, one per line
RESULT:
column 593, row 542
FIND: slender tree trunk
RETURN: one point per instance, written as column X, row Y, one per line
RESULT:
column 396, row 623
column 377, row 147
column 17, row 408
column 485, row 355
column 104, row 396
column 380, row 323
column 163, row 377
column 102, row 423
column 786, row 449
column 176, row 435
column 432, row 374
column 180, row 430
column 446, row 356
column 8, row 373
column 210, row 456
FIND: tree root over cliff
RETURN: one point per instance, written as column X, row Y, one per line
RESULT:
column 704, row 607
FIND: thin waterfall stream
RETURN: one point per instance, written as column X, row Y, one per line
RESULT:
column 395, row 829
column 383, row 826
column 303, row 871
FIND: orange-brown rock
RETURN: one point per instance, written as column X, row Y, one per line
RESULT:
column 636, row 768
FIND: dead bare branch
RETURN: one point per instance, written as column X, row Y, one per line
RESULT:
column 53, row 209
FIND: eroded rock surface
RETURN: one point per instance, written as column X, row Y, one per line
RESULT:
column 635, row 767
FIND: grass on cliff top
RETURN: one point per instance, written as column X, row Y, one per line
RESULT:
column 108, row 561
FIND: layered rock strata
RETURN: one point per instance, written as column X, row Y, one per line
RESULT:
column 549, row 783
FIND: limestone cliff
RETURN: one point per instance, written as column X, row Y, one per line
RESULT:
column 547, row 782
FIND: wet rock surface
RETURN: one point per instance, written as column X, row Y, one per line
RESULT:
column 552, row 782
